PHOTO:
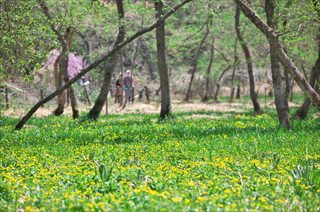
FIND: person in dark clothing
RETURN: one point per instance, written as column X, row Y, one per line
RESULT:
column 118, row 89
column 128, row 84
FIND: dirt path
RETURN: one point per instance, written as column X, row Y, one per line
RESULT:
column 143, row 108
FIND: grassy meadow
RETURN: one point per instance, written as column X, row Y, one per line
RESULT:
column 196, row 161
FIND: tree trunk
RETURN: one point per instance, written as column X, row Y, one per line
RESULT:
column 86, row 94
column 162, row 64
column 102, row 98
column 238, row 94
column 206, row 92
column 215, row 97
column 93, row 65
column 279, row 82
column 315, row 72
column 6, row 97
column 253, row 95
column 304, row 108
column 146, row 89
column 146, row 55
column 194, row 64
column 235, row 63
column 64, row 68
column 282, row 56
column 61, row 100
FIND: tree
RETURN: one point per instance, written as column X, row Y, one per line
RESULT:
column 272, row 36
column 101, row 99
column 206, row 91
column 162, row 63
column 246, row 50
column 194, row 63
column 315, row 71
column 279, row 85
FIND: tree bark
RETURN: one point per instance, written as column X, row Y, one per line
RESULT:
column 304, row 108
column 272, row 36
column 215, row 97
column 315, row 72
column 235, row 64
column 146, row 55
column 93, row 65
column 194, row 64
column 206, row 92
column 246, row 51
column 162, row 63
column 61, row 63
column 279, row 82
column 58, row 83
column 112, row 62
column 6, row 97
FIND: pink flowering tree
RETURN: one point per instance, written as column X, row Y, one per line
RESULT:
column 75, row 63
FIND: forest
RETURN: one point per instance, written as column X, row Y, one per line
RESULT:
column 177, row 105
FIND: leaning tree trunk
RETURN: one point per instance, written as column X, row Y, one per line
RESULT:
column 112, row 62
column 315, row 72
column 272, row 36
column 279, row 84
column 253, row 94
column 162, row 64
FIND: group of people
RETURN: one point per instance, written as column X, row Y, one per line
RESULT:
column 125, row 83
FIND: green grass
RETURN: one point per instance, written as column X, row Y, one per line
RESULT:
column 197, row 161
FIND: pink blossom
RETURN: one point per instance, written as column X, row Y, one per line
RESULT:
column 75, row 63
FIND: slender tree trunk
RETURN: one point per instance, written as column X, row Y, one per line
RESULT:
column 146, row 55
column 272, row 36
column 64, row 63
column 215, row 97
column 206, row 92
column 253, row 94
column 102, row 98
column 235, row 64
column 279, row 82
column 6, row 97
column 86, row 94
column 194, row 64
column 238, row 94
column 162, row 63
column 146, row 89
column 61, row 100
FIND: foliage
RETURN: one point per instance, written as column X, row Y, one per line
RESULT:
column 198, row 161
column 24, row 37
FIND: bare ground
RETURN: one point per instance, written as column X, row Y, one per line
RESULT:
column 144, row 108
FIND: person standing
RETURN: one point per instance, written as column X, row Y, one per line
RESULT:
column 128, row 83
column 118, row 98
